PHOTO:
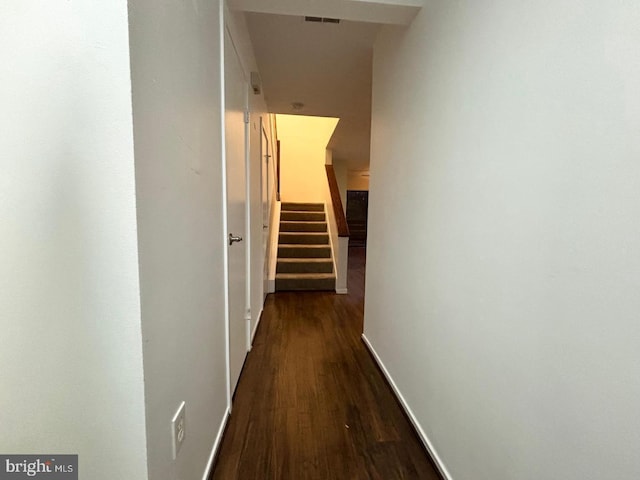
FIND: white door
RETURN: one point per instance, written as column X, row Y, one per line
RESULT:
column 236, row 98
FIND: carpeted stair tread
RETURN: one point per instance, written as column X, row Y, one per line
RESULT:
column 315, row 238
column 304, row 251
column 304, row 265
column 305, row 281
column 305, row 275
column 303, row 226
column 297, row 207
column 303, row 216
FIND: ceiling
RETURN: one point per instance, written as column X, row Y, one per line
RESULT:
column 326, row 67
column 396, row 12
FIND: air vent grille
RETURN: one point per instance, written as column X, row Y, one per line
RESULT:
column 321, row 20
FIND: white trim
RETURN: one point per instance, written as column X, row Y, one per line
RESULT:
column 247, row 217
column 255, row 329
column 269, row 193
column 405, row 406
column 216, row 445
column 225, row 229
column 247, row 320
column 342, row 291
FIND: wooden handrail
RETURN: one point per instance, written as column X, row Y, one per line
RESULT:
column 338, row 211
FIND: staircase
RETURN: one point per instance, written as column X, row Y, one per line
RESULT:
column 304, row 253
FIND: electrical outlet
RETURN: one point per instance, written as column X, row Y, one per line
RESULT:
column 178, row 431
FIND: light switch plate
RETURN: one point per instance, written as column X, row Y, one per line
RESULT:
column 178, row 429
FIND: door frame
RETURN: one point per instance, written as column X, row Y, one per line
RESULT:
column 266, row 194
column 228, row 29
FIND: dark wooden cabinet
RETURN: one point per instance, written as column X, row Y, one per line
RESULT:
column 357, row 208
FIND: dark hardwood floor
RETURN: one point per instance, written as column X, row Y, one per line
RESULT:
column 311, row 403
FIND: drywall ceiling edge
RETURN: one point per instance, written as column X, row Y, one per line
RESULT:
column 396, row 12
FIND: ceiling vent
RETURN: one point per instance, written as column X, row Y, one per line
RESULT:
column 321, row 20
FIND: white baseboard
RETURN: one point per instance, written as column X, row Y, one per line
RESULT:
column 255, row 329
column 342, row 291
column 216, row 445
column 423, row 436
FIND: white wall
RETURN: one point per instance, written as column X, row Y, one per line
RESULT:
column 505, row 146
column 70, row 348
column 303, row 144
column 176, row 69
column 357, row 180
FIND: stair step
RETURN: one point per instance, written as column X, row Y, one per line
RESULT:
column 309, row 207
column 304, row 265
column 304, row 254
column 305, row 281
column 313, row 238
column 304, row 251
column 303, row 226
column 303, row 216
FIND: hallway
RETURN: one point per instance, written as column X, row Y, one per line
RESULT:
column 311, row 404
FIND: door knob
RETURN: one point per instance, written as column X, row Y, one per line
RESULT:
column 234, row 238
